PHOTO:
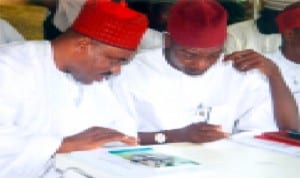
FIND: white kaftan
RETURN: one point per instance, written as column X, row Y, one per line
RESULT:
column 160, row 97
column 245, row 35
column 40, row 105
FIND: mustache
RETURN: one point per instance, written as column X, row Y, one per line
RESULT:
column 108, row 73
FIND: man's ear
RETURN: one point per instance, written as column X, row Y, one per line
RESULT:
column 82, row 44
column 288, row 36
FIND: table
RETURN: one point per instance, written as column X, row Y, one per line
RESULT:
column 224, row 158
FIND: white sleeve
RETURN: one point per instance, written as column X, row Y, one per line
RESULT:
column 259, row 115
column 236, row 39
column 151, row 39
column 260, row 118
column 24, row 150
column 232, row 44
column 122, row 92
column 113, row 111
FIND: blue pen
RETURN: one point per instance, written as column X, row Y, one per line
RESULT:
column 140, row 149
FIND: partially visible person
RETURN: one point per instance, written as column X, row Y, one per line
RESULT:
column 159, row 13
column 158, row 16
column 245, row 35
column 189, row 91
column 265, row 23
column 66, row 11
column 61, row 15
column 288, row 56
column 236, row 11
column 50, row 31
column 54, row 97
column 259, row 34
column 8, row 33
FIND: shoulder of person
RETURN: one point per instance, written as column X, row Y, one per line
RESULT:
column 253, row 78
column 138, row 70
column 145, row 60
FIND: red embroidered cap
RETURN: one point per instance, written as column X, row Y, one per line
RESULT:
column 198, row 23
column 288, row 19
column 111, row 23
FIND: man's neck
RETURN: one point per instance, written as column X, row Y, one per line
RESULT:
column 290, row 55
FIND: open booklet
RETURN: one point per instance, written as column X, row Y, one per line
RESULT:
column 148, row 156
column 137, row 162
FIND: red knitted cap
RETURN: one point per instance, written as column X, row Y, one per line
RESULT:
column 288, row 19
column 198, row 23
column 111, row 23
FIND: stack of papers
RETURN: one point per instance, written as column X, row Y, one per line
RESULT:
column 259, row 140
column 281, row 136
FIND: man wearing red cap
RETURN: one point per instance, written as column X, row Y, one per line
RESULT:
column 187, row 93
column 287, row 57
column 44, row 102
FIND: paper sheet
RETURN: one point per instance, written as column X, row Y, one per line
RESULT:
column 248, row 139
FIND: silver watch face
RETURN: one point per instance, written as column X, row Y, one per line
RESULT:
column 160, row 138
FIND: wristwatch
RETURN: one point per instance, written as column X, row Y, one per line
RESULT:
column 160, row 138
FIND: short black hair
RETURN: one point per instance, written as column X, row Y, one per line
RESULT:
column 266, row 23
column 236, row 11
column 157, row 11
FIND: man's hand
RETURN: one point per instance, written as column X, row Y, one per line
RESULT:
column 202, row 132
column 92, row 138
column 249, row 59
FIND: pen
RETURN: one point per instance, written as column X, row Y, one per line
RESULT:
column 142, row 149
column 207, row 114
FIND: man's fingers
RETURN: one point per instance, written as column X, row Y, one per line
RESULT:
column 121, row 138
column 212, row 136
column 102, row 141
column 207, row 127
column 247, row 64
column 204, row 139
column 237, row 55
column 99, row 142
column 131, row 141
column 109, row 135
column 105, row 135
column 248, row 61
